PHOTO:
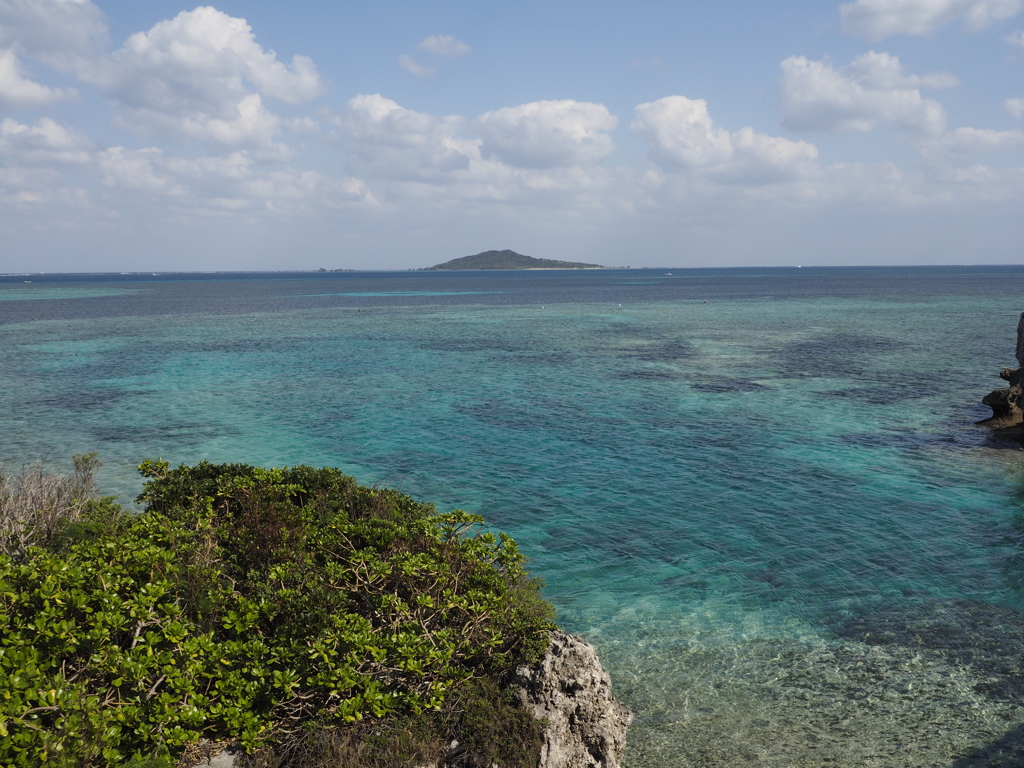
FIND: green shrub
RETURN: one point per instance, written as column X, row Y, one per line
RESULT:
column 247, row 604
column 486, row 724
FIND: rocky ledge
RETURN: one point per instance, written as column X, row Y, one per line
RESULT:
column 1007, row 413
column 586, row 726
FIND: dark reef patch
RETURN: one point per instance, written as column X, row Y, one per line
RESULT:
column 188, row 434
column 631, row 328
column 666, row 351
column 724, row 384
column 833, row 355
column 242, row 346
column 476, row 345
column 649, row 374
column 83, row 399
column 542, row 358
column 499, row 414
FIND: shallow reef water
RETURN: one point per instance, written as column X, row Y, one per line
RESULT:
column 938, row 688
column 760, row 493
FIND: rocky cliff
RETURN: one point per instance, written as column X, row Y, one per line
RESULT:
column 1006, row 403
column 586, row 726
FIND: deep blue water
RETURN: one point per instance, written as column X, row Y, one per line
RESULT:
column 760, row 492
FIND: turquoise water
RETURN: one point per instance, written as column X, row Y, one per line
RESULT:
column 759, row 493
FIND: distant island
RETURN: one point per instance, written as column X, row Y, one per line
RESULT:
column 509, row 259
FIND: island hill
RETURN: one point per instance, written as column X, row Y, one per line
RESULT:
column 509, row 259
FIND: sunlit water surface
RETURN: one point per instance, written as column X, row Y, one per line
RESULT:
column 760, row 493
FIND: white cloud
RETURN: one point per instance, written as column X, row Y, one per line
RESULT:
column 547, row 134
column 437, row 161
column 203, row 76
column 402, row 143
column 45, row 143
column 872, row 90
column 682, row 136
column 200, row 76
column 1016, row 38
column 408, row 63
column 198, row 57
column 966, row 140
column 883, row 71
column 877, row 19
column 444, row 45
column 246, row 123
column 1015, row 107
column 39, row 193
column 66, row 34
column 954, row 160
column 303, row 126
column 681, row 133
column 225, row 185
column 33, row 162
column 135, row 170
column 251, row 125
column 437, row 47
column 18, row 92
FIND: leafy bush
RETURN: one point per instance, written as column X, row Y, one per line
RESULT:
column 480, row 726
column 251, row 605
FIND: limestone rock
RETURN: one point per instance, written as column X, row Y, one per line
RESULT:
column 1020, row 339
column 1006, row 404
column 568, row 688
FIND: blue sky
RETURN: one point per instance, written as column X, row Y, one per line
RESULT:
column 258, row 135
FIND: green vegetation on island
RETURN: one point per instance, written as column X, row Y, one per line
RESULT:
column 303, row 618
column 508, row 259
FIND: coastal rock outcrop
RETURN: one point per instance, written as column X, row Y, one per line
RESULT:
column 1006, row 403
column 586, row 726
column 569, row 688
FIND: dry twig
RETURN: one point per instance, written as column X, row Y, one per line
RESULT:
column 35, row 502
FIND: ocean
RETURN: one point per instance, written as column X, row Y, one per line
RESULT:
column 760, row 493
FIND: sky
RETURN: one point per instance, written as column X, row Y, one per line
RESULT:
column 398, row 134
